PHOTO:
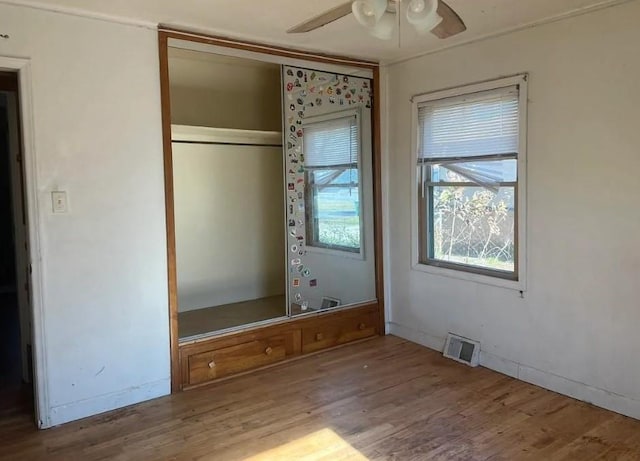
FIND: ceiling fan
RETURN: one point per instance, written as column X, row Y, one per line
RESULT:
column 380, row 17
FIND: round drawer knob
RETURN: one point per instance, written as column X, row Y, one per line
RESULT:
column 362, row 326
column 319, row 336
column 268, row 351
column 212, row 364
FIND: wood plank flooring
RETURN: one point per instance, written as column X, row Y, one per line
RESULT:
column 383, row 399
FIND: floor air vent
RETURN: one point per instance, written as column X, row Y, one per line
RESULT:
column 462, row 350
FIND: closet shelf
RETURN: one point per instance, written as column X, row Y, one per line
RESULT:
column 204, row 134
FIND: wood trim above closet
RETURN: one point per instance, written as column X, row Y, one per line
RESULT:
column 273, row 50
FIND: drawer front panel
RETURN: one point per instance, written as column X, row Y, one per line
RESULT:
column 205, row 361
column 338, row 331
column 226, row 361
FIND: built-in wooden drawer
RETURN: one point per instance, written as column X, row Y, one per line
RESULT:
column 207, row 360
column 225, row 361
column 339, row 330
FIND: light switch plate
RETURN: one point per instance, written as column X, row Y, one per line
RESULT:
column 59, row 201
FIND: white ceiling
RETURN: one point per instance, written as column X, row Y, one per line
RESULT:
column 267, row 20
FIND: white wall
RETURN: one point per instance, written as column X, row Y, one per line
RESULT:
column 229, row 212
column 575, row 330
column 96, row 104
column 224, row 92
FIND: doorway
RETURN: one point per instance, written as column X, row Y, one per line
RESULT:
column 16, row 375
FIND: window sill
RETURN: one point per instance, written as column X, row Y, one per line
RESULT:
column 516, row 285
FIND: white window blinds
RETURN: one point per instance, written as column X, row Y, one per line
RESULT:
column 483, row 124
column 331, row 143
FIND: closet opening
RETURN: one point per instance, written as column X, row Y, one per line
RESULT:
column 228, row 195
column 272, row 184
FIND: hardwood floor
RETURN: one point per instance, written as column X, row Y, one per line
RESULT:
column 383, row 399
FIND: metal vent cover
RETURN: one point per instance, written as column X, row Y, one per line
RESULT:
column 462, row 350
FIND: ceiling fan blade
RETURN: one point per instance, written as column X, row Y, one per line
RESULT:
column 451, row 23
column 323, row 19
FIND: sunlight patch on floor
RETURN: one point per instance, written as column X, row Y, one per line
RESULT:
column 321, row 445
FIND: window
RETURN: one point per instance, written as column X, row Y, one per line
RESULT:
column 470, row 165
column 332, row 186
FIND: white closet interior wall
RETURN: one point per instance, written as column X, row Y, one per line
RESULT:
column 224, row 92
column 228, row 198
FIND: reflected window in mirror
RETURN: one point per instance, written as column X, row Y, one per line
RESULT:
column 333, row 193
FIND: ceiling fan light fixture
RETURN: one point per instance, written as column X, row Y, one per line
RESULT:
column 433, row 16
column 385, row 27
column 369, row 12
column 423, row 15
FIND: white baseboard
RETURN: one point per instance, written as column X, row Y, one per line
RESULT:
column 416, row 336
column 81, row 409
column 599, row 397
column 499, row 364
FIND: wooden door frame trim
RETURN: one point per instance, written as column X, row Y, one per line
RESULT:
column 172, row 273
column 377, row 197
column 166, row 33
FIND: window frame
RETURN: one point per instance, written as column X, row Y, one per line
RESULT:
column 312, row 244
column 419, row 227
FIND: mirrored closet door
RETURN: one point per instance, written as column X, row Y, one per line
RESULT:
column 273, row 191
column 331, row 246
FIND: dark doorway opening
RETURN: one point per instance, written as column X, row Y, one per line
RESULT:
column 16, row 392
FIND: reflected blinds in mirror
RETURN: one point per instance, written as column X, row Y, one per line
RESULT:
column 331, row 143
